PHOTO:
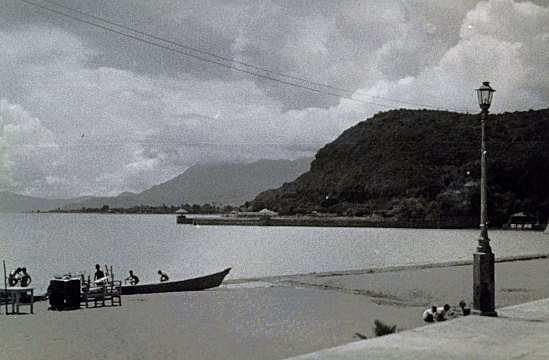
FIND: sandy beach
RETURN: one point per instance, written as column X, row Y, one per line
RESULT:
column 272, row 318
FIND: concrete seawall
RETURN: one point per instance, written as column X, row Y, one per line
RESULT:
column 520, row 332
column 339, row 221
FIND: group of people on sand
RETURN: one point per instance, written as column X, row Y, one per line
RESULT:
column 443, row 313
column 19, row 277
column 99, row 276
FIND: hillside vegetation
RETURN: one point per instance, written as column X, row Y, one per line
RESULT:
column 425, row 165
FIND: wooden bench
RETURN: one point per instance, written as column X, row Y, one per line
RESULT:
column 107, row 290
column 113, row 292
column 102, row 294
column 18, row 296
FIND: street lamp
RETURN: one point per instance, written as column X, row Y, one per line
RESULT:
column 484, row 94
column 483, row 259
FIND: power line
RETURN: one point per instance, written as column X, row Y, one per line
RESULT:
column 168, row 48
column 215, row 62
column 112, row 23
column 115, row 142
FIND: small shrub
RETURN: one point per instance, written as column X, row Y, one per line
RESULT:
column 381, row 329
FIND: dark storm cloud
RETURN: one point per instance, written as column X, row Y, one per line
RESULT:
column 333, row 43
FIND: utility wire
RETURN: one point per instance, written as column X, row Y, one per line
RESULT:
column 171, row 49
column 216, row 62
column 216, row 56
column 233, row 144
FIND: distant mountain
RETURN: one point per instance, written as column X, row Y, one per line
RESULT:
column 10, row 202
column 226, row 183
column 222, row 183
column 425, row 165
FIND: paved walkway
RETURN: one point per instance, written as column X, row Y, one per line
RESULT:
column 520, row 332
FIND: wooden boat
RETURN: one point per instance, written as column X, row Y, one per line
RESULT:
column 196, row 284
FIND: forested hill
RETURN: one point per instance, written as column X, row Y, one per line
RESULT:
column 425, row 165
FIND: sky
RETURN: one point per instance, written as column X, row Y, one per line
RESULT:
column 87, row 111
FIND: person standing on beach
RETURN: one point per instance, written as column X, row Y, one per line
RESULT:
column 163, row 276
column 99, row 276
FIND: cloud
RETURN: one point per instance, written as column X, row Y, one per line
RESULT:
column 348, row 45
column 29, row 153
column 501, row 41
column 108, row 130
column 5, row 180
column 88, row 112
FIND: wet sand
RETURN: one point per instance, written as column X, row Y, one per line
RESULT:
column 270, row 318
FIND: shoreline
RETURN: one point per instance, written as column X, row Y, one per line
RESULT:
column 374, row 270
column 339, row 221
column 269, row 317
column 219, row 219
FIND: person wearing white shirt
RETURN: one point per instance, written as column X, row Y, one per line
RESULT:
column 429, row 314
column 441, row 313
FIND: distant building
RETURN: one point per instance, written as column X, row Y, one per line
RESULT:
column 267, row 212
column 521, row 221
column 181, row 215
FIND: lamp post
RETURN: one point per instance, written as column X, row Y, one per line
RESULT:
column 483, row 259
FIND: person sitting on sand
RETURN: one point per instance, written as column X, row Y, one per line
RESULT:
column 14, row 277
column 429, row 314
column 163, row 276
column 99, row 276
column 465, row 310
column 441, row 313
column 25, row 278
column 133, row 279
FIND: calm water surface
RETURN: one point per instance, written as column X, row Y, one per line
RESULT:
column 49, row 244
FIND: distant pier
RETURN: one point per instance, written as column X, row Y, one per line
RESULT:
column 337, row 221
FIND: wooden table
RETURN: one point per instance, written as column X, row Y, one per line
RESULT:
column 14, row 295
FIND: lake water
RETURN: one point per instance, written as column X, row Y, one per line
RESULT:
column 49, row 244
